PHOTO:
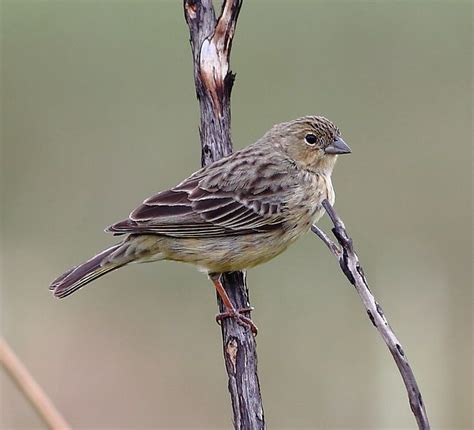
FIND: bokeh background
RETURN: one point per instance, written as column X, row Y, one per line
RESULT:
column 99, row 111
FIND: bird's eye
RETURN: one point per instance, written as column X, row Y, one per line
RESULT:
column 311, row 139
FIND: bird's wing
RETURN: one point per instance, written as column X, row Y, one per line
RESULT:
column 242, row 198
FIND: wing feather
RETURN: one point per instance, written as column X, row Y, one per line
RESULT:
column 244, row 197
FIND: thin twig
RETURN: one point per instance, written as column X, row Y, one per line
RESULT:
column 211, row 42
column 327, row 240
column 350, row 265
column 30, row 388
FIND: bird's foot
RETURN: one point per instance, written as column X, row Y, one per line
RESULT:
column 241, row 319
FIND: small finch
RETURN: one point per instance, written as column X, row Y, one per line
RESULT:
column 233, row 214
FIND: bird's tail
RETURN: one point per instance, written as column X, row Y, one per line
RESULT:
column 108, row 260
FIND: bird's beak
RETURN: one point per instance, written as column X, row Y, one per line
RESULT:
column 338, row 147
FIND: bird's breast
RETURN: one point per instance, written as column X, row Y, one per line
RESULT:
column 330, row 194
column 321, row 189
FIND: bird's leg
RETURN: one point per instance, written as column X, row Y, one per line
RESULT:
column 231, row 311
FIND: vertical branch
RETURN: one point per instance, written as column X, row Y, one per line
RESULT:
column 30, row 388
column 211, row 42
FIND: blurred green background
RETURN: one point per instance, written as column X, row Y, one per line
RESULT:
column 99, row 112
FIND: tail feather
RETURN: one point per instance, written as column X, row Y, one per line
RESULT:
column 92, row 269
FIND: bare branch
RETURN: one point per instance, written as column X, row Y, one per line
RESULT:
column 327, row 240
column 30, row 388
column 350, row 265
column 211, row 42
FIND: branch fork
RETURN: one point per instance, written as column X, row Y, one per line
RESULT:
column 215, row 53
column 350, row 265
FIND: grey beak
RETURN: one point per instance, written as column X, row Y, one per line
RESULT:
column 338, row 147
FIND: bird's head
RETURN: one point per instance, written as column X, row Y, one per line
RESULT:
column 313, row 142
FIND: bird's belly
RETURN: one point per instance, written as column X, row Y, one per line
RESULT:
column 230, row 253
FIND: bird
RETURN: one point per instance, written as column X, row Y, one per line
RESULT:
column 233, row 214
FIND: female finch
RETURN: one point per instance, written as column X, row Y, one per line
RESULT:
column 233, row 214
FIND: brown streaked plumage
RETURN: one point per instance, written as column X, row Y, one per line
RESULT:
column 236, row 213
